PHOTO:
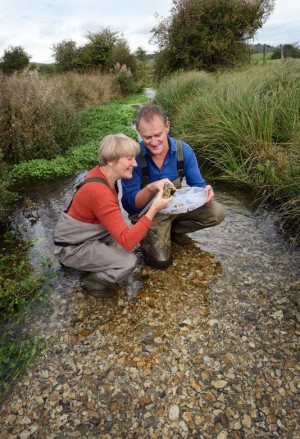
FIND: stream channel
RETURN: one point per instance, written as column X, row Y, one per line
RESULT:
column 248, row 338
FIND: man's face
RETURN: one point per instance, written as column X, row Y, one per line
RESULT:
column 154, row 134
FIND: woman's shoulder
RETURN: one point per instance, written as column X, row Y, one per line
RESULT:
column 94, row 172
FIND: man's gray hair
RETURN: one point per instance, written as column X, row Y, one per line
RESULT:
column 148, row 111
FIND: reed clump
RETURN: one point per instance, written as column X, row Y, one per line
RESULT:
column 89, row 88
column 37, row 117
column 245, row 127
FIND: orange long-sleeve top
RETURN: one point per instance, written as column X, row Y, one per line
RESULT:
column 96, row 203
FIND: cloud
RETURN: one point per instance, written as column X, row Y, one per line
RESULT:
column 37, row 25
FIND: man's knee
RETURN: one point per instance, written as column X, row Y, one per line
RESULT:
column 219, row 213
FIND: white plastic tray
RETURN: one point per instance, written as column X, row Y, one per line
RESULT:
column 185, row 200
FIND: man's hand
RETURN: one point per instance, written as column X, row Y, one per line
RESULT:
column 210, row 193
column 148, row 192
column 156, row 186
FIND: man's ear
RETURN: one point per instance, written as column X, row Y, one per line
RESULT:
column 168, row 126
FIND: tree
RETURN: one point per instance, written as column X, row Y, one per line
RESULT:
column 208, row 34
column 14, row 59
column 140, row 54
column 65, row 55
column 120, row 54
column 103, row 50
column 289, row 51
column 100, row 45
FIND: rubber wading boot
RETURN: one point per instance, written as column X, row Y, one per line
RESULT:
column 98, row 288
column 159, row 257
column 181, row 239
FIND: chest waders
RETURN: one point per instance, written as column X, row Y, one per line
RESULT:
column 156, row 246
column 118, row 263
column 87, row 180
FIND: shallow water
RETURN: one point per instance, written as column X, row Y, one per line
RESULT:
column 245, row 233
column 207, row 348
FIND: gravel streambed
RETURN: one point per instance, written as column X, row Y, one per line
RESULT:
column 208, row 348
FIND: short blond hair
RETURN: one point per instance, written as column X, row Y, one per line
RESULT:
column 115, row 146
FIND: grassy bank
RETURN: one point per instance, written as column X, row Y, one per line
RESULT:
column 245, row 127
column 96, row 122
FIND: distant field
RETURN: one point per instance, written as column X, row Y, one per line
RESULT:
column 257, row 58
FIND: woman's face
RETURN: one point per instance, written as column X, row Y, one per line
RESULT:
column 123, row 167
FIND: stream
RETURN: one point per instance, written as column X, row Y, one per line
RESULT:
column 186, row 352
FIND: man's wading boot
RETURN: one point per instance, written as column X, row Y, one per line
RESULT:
column 181, row 239
column 97, row 288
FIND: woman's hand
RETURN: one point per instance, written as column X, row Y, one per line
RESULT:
column 158, row 203
column 148, row 192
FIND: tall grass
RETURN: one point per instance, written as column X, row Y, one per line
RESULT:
column 39, row 114
column 92, row 88
column 37, row 117
column 245, row 125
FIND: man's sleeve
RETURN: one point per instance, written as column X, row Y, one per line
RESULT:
column 130, row 187
column 191, row 168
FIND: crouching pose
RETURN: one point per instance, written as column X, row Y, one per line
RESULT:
column 92, row 235
column 163, row 157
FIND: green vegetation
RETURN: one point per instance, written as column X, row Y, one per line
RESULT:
column 40, row 121
column 245, row 126
column 258, row 58
column 288, row 50
column 208, row 34
column 103, row 50
column 19, row 285
column 96, row 122
column 15, row 356
column 14, row 59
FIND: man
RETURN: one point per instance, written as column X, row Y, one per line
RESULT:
column 157, row 165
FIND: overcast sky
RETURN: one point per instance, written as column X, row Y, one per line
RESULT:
column 38, row 24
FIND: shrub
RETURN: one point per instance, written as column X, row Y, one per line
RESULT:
column 124, row 79
column 14, row 59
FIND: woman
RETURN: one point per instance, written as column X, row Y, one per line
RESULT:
column 92, row 235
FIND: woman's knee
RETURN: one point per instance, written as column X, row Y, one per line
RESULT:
column 130, row 263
